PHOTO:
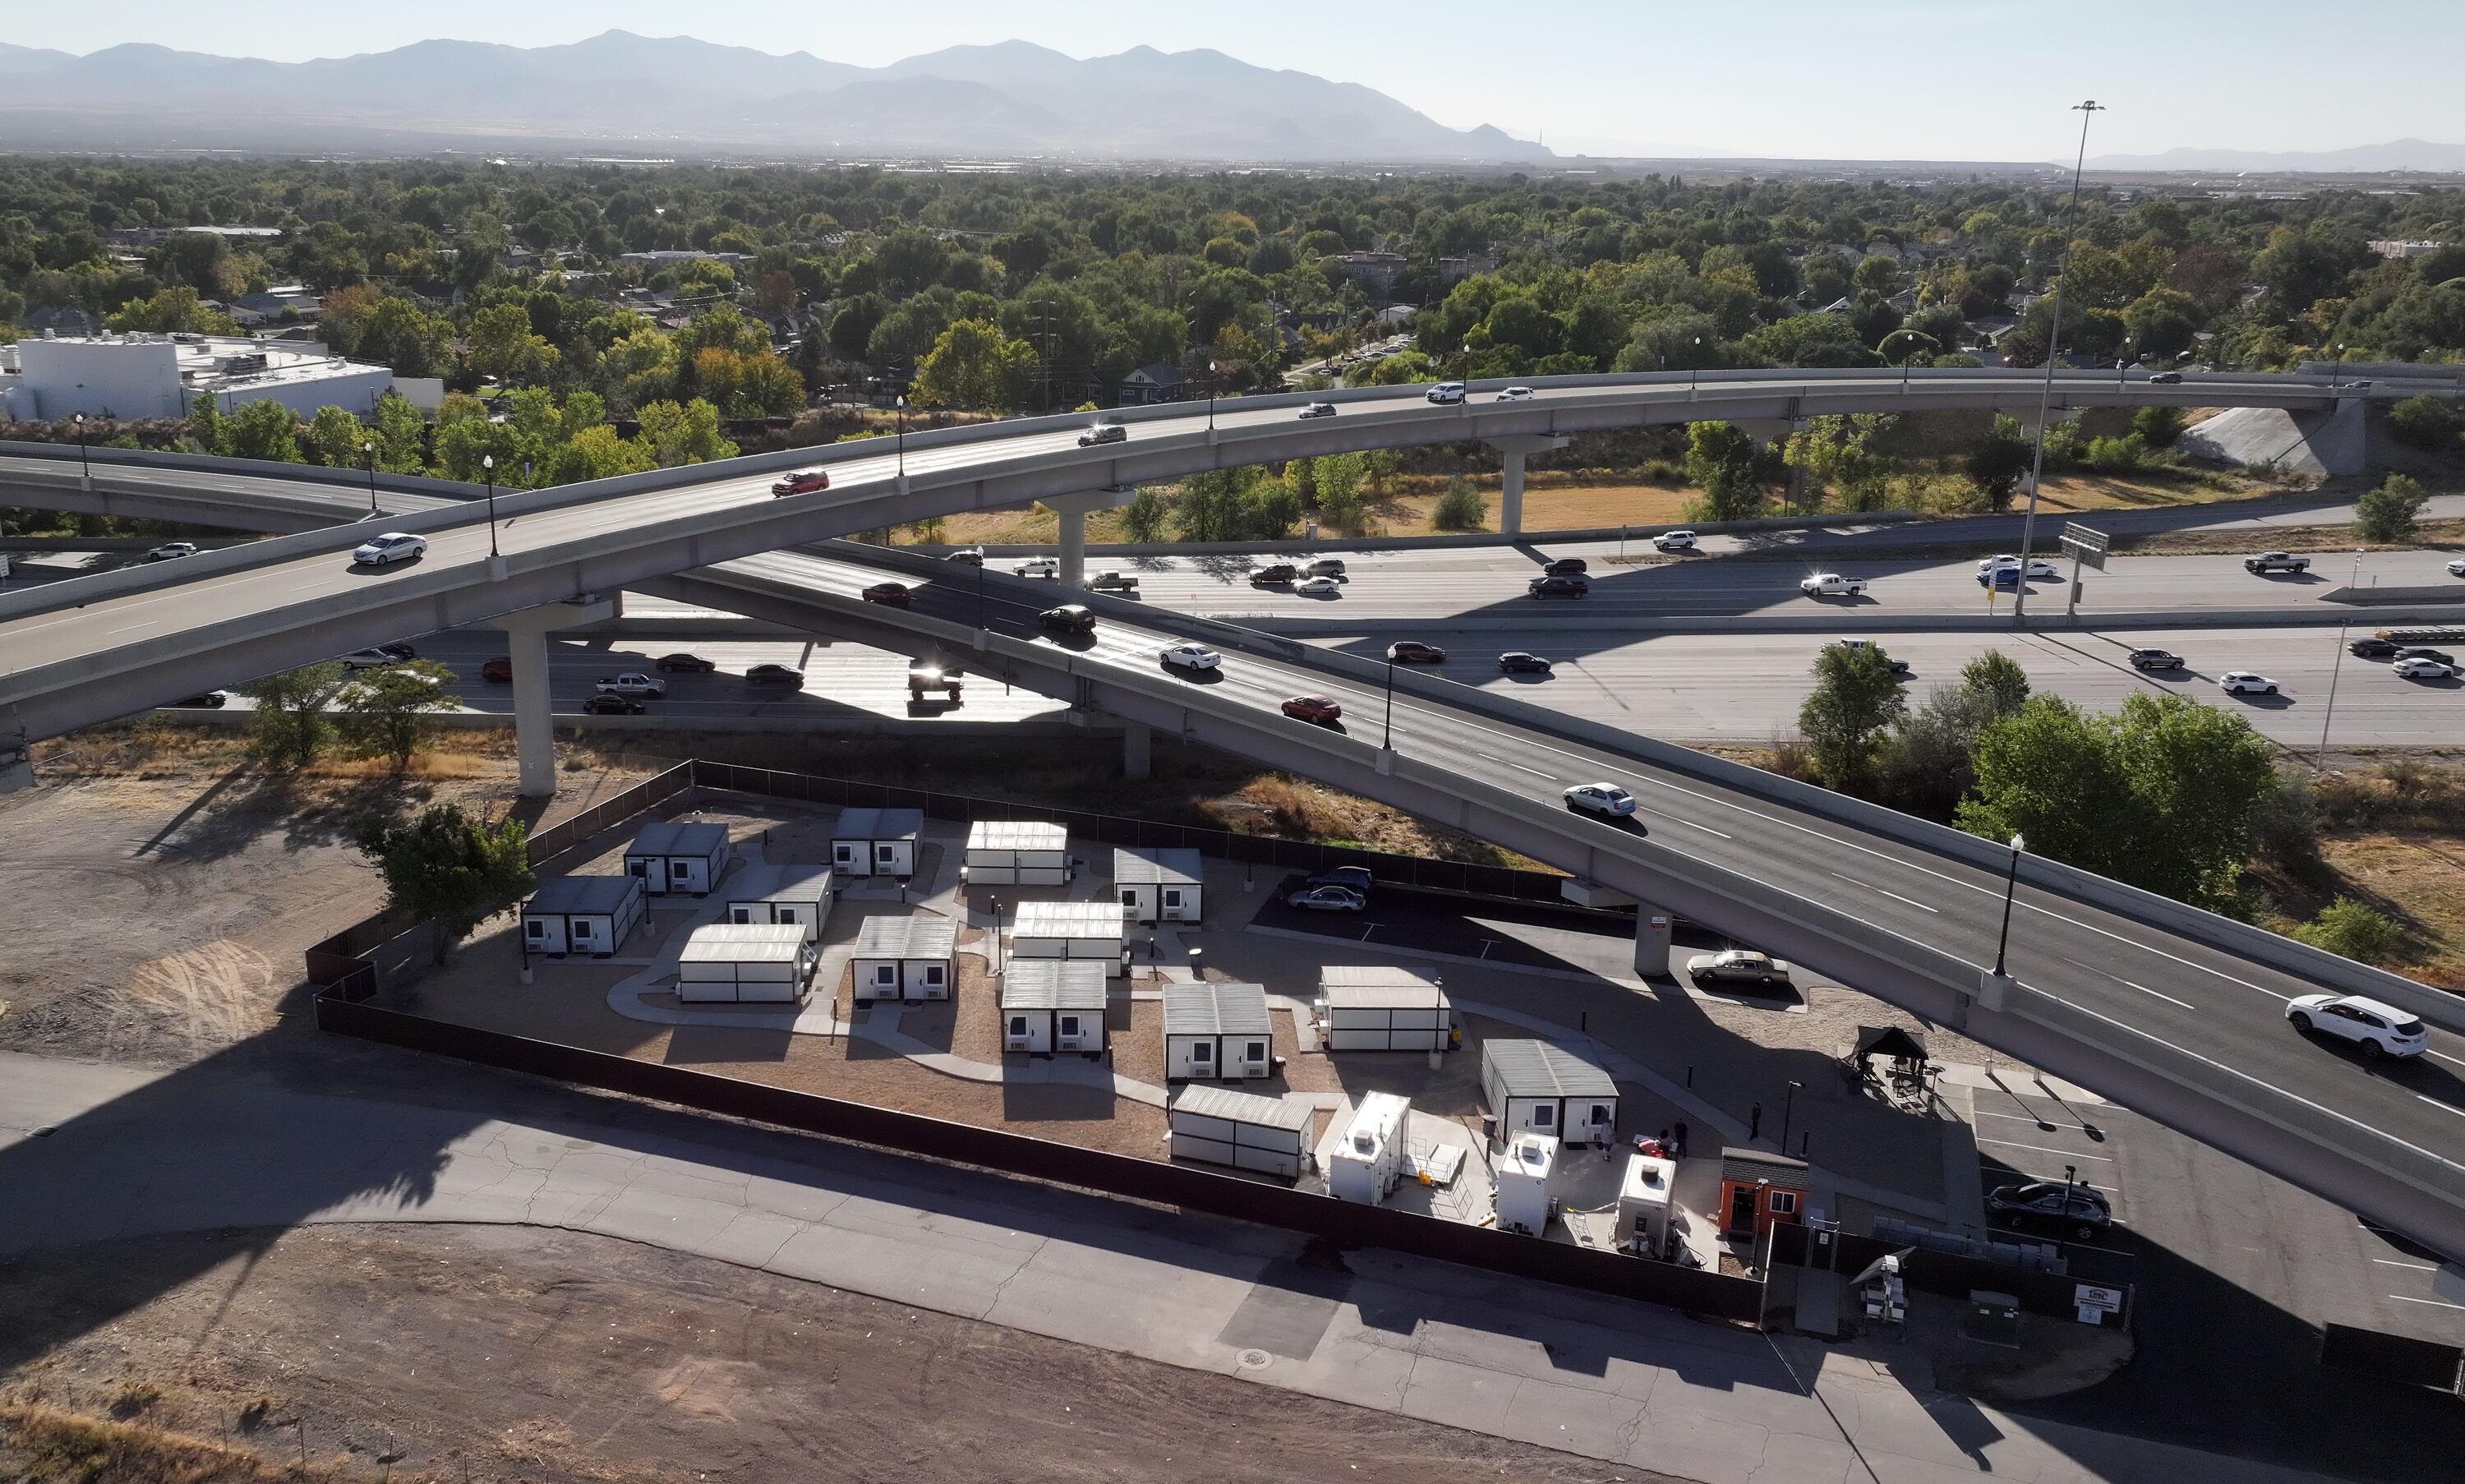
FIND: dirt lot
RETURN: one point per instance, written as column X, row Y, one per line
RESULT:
column 498, row 1353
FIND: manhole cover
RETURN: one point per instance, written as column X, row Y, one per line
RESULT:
column 1254, row 1360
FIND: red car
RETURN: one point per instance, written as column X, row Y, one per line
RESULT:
column 1312, row 708
column 896, row 594
column 501, row 668
column 804, row 482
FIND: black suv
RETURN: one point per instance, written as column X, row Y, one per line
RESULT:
column 2371, row 648
column 2155, row 659
column 1567, row 566
column 1559, row 586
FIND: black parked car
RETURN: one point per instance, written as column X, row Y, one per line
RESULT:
column 2077, row 1208
column 1355, row 880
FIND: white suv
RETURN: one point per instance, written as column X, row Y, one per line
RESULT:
column 2237, row 682
column 2379, row 1030
column 1446, row 393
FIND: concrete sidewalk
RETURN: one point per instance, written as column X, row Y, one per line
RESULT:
column 1627, row 1382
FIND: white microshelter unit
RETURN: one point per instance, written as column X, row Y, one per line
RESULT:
column 741, row 962
column 1017, row 852
column 871, row 842
column 1644, row 1203
column 1523, row 1183
column 1069, row 930
column 1217, row 1030
column 1540, row 1087
column 1050, row 1005
column 1367, row 1007
column 1371, row 1156
column 1158, row 885
column 800, row 895
column 908, row 958
column 673, row 858
column 1220, row 1125
column 582, row 915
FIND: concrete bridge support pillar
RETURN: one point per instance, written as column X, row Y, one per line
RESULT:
column 1136, row 746
column 1512, row 451
column 1072, row 510
column 534, row 716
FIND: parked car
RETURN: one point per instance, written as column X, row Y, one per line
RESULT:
column 1320, row 587
column 210, row 700
column 683, row 663
column 2237, row 682
column 1606, row 800
column 390, row 549
column 1445, row 394
column 172, row 551
column 2418, row 668
column 804, row 482
column 892, row 594
column 498, row 667
column 1190, row 657
column 1412, row 651
column 1039, row 566
column 1515, row 395
column 1832, row 585
column 2166, row 379
column 1112, row 582
column 1325, row 566
column 1860, row 645
column 1355, row 880
column 775, row 675
column 606, row 705
column 2372, row 649
column 633, row 684
column 1567, row 566
column 1069, row 618
column 2376, row 1028
column 1558, row 587
column 1103, row 433
column 1516, row 661
column 1312, row 708
column 1737, row 966
column 2407, row 652
column 2076, row 1207
column 1325, row 898
column 2155, row 660
column 1675, row 541
column 1318, row 409
column 370, row 659
column 2275, row 562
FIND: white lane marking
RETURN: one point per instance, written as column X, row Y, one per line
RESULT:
column 2067, row 1154
column 1534, row 771
column 2458, row 1061
column 2433, row 1302
column 2418, row 1267
column 2144, row 990
column 1894, row 896
column 1991, row 1164
column 2449, row 1107
column 1691, row 825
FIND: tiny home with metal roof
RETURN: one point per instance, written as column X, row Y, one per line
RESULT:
column 1542, row 1087
column 1217, row 1030
column 1158, row 884
column 1050, row 1005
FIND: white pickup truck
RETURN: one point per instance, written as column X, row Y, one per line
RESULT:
column 633, row 685
column 2275, row 562
column 1832, row 585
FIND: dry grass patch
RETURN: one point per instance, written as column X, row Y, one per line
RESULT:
column 47, row 1445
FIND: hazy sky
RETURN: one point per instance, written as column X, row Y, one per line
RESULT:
column 1963, row 79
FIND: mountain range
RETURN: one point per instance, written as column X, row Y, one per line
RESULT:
column 2402, row 154
column 638, row 95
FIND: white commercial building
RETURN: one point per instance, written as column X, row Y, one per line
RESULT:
column 1540, row 1086
column 138, row 375
column 1053, row 1004
column 911, row 957
column 871, row 842
column 734, row 963
column 1017, row 852
column 1222, row 1127
column 674, row 858
column 1369, row 1008
column 1069, row 930
column 1217, row 1030
column 581, row 914
column 1370, row 1158
column 794, row 893
column 1158, row 885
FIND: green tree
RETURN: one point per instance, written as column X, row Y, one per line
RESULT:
column 1144, row 517
column 596, row 453
column 1857, row 697
column 290, row 726
column 503, row 345
column 263, row 428
column 389, row 713
column 169, row 310
column 1338, row 479
column 2157, row 427
column 688, row 434
column 2391, row 511
column 1997, row 680
column 336, row 437
column 1460, row 507
column 2352, row 930
column 1840, row 451
column 972, row 364
column 1999, row 462
column 450, row 870
column 1721, row 458
column 2424, row 422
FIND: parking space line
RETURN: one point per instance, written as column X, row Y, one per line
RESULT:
column 2418, row 1267
column 2436, row 1103
column 2042, row 1149
column 1988, row 1163
column 2436, row 1303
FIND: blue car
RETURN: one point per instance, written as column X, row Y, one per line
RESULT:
column 1999, row 577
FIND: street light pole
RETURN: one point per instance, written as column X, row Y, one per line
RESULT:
column 1788, row 1111
column 488, row 466
column 2122, row 362
column 1389, row 743
column 2011, row 888
column 368, row 451
column 2336, row 667
column 85, row 470
column 2046, row 398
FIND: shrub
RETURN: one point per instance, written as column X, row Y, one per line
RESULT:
column 2388, row 513
column 1461, row 508
column 2351, row 930
column 2424, row 422
column 2157, row 427
column 2285, row 826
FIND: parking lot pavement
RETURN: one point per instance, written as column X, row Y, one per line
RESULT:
column 2029, row 1128
column 1536, row 935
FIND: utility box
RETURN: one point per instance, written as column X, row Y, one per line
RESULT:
column 1370, row 1158
column 1991, row 1318
column 1523, row 1183
column 1644, row 1205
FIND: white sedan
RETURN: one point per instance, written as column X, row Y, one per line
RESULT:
column 1190, row 657
column 2419, row 667
column 2239, row 682
column 172, row 551
column 2039, row 569
column 1608, row 800
column 391, row 547
column 2379, row 1030
column 1318, row 588
column 2456, row 568
column 1516, row 394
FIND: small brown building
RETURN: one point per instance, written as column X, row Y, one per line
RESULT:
column 1757, row 1189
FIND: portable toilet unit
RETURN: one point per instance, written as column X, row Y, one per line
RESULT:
column 747, row 962
column 1370, row 1158
column 796, row 894
column 1158, row 885
column 1540, row 1087
column 1221, row 1125
column 1017, row 852
column 676, row 858
column 1644, row 1203
column 1217, row 1030
column 909, row 958
column 1371, row 1008
column 582, row 915
column 1523, row 1182
column 1069, row 930
column 1050, row 1005
column 871, row 842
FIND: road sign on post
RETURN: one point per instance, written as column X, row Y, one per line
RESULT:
column 2085, row 548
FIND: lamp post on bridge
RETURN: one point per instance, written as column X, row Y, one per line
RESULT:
column 369, row 452
column 85, row 470
column 488, row 467
column 2011, row 888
